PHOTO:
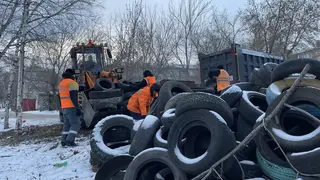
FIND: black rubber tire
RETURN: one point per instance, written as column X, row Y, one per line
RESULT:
column 98, row 104
column 167, row 92
column 113, row 166
column 154, row 107
column 108, row 129
column 135, row 128
column 105, row 94
column 161, row 138
column 278, row 87
column 173, row 102
column 103, row 84
column 162, row 175
column 307, row 95
column 265, row 73
column 217, row 128
column 306, row 162
column 243, row 128
column 250, row 169
column 205, row 101
column 248, row 152
column 287, row 68
column 232, row 95
column 245, row 86
column 255, row 78
column 168, row 117
column 143, row 138
column 247, row 106
column 99, row 115
column 153, row 155
column 300, row 177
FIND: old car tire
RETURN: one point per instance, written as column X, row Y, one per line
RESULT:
column 168, row 117
column 291, row 136
column 278, row 87
column 113, row 166
column 205, row 101
column 173, row 102
column 103, row 84
column 255, row 78
column 167, row 91
column 105, row 94
column 135, row 128
column 106, row 132
column 252, row 105
column 286, row 68
column 243, row 128
column 143, row 138
column 265, row 73
column 306, row 162
column 153, row 155
column 161, row 138
column 200, row 118
column 102, row 114
column 245, row 86
column 232, row 95
column 163, row 174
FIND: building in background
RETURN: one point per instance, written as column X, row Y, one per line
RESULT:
column 313, row 53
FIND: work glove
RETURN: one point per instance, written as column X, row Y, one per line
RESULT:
column 78, row 112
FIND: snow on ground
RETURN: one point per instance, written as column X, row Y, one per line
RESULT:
column 36, row 161
column 42, row 112
column 29, row 122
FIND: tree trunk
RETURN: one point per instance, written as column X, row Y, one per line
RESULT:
column 14, row 69
column 21, row 63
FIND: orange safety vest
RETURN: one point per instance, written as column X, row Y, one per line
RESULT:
column 223, row 80
column 151, row 80
column 140, row 101
column 65, row 86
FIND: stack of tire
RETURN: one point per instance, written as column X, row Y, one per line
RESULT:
column 187, row 132
column 106, row 100
column 295, row 129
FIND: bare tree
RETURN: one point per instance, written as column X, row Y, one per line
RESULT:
column 187, row 17
column 280, row 26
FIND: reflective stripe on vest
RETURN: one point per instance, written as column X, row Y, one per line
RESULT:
column 150, row 80
column 64, row 93
column 223, row 80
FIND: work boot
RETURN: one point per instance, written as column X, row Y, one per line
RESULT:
column 72, row 144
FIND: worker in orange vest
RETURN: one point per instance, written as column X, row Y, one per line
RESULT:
column 68, row 93
column 139, row 103
column 148, row 80
column 218, row 77
column 223, row 79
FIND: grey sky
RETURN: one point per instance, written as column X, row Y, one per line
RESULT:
column 112, row 6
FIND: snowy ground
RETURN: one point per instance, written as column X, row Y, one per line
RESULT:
column 43, row 118
column 36, row 161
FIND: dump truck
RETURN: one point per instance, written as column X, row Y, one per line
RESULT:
column 99, row 95
column 238, row 62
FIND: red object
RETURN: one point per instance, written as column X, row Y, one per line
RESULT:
column 28, row 104
column 90, row 42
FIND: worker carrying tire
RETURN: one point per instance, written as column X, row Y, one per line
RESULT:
column 220, row 77
column 68, row 93
column 139, row 103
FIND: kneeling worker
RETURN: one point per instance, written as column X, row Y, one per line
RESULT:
column 139, row 103
column 68, row 92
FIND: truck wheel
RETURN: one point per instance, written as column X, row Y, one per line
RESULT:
column 103, row 84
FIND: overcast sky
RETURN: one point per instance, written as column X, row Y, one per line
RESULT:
column 112, row 6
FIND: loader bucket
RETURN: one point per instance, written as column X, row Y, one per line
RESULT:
column 88, row 111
